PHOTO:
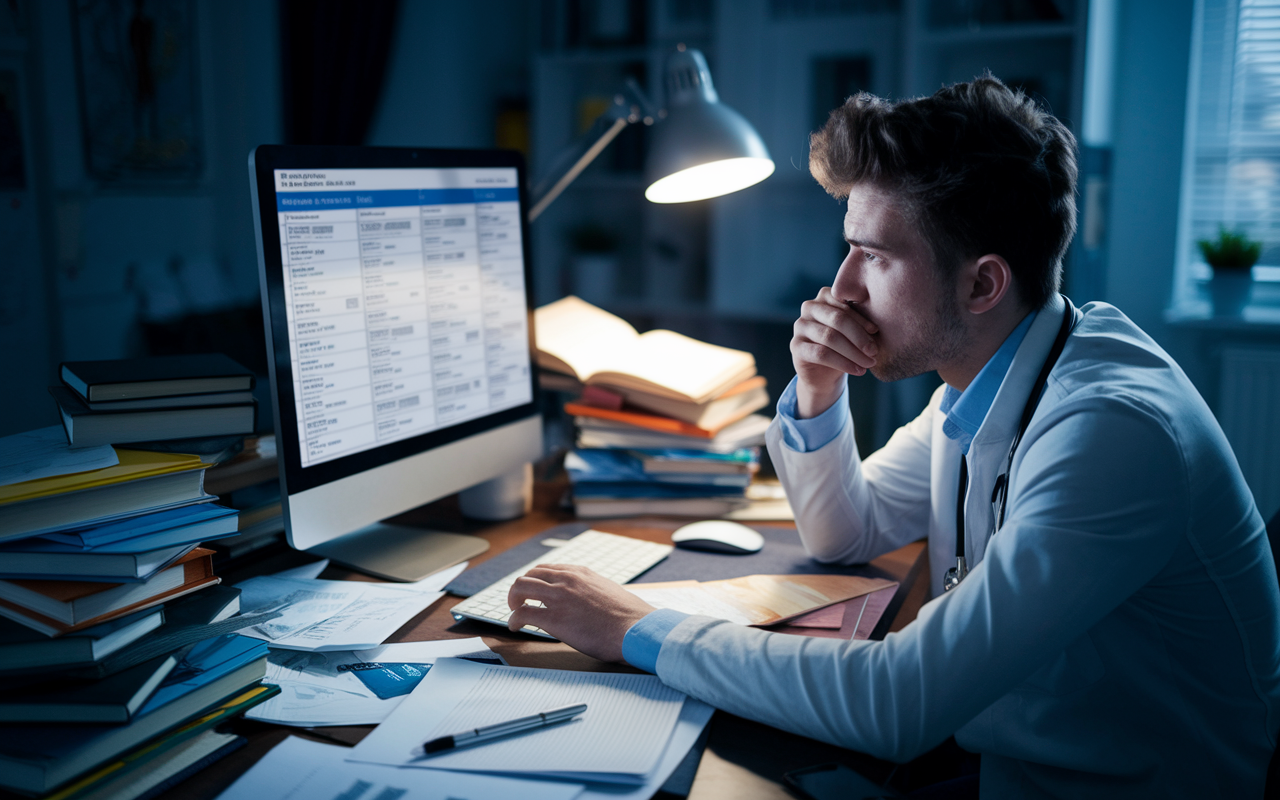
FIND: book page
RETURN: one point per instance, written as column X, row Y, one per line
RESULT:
column 575, row 336
column 667, row 363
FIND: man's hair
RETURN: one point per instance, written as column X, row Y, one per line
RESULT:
column 979, row 166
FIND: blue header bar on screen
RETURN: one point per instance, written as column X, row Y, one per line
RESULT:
column 317, row 201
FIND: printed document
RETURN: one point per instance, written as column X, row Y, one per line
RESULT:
column 620, row 738
column 298, row 769
column 315, row 690
column 321, row 615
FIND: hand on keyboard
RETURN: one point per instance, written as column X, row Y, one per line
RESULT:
column 618, row 558
column 584, row 610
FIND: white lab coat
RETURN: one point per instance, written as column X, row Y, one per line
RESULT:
column 1119, row 637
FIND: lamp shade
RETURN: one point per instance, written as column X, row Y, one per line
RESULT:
column 703, row 148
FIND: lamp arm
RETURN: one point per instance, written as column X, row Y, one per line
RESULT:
column 579, row 155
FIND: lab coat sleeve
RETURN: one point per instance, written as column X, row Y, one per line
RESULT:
column 849, row 510
column 1083, row 533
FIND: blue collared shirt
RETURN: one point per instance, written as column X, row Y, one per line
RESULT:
column 964, row 411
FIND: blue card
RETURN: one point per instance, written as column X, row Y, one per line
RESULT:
column 387, row 680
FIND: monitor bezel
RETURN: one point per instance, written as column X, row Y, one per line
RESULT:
column 264, row 161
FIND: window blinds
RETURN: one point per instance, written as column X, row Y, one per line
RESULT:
column 1236, row 126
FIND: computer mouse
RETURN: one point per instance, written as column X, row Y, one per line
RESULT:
column 718, row 536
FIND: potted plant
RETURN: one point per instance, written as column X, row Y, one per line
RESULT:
column 1232, row 256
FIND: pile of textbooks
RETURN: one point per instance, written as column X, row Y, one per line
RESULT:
column 161, row 398
column 118, row 651
column 666, row 424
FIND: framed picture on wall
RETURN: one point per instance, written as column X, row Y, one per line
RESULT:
column 138, row 76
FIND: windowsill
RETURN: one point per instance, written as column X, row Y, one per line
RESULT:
column 1262, row 314
column 1198, row 315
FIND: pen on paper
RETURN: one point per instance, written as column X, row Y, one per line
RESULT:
column 488, row 733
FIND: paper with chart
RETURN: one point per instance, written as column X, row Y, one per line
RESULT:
column 314, row 690
column 298, row 769
column 336, row 615
column 44, row 453
column 620, row 738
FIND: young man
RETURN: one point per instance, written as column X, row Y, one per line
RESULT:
column 1119, row 634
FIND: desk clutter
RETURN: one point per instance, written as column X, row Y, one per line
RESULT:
column 666, row 424
column 122, row 653
column 119, row 647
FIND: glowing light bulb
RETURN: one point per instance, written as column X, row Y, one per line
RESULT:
column 709, row 180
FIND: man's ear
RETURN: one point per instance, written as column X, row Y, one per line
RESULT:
column 984, row 283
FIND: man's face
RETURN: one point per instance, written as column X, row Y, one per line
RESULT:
column 889, row 277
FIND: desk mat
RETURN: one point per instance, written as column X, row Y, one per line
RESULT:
column 782, row 554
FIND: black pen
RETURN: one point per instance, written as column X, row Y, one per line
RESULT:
column 490, row 732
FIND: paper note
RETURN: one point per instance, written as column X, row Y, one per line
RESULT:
column 44, row 452
column 619, row 739
column 298, row 769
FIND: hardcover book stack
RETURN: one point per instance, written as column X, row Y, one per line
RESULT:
column 156, row 399
column 117, row 646
column 666, row 423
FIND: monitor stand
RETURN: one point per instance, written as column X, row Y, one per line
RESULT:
column 398, row 553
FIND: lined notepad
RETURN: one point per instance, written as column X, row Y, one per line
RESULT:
column 620, row 738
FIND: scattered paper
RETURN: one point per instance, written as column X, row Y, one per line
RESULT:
column 44, row 453
column 334, row 615
column 306, row 770
column 315, row 691
column 620, row 738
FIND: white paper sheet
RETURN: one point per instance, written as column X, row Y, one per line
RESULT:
column 298, row 769
column 619, row 739
column 331, row 615
column 44, row 452
column 694, row 716
column 313, row 692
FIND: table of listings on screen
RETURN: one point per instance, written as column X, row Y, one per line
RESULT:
column 402, row 320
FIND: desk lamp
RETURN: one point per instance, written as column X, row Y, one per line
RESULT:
column 701, row 148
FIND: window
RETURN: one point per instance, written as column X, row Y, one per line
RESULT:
column 1231, row 171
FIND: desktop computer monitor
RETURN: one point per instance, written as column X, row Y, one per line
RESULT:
column 396, row 296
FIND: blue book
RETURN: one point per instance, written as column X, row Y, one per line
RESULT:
column 205, row 663
column 197, row 523
column 594, row 466
column 658, row 490
column 37, row 758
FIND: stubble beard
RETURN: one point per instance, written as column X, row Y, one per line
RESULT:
column 941, row 339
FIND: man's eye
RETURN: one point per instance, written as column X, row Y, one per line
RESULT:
column 866, row 256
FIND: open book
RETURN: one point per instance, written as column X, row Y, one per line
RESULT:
column 576, row 338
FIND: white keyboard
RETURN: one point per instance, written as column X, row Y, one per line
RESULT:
column 619, row 558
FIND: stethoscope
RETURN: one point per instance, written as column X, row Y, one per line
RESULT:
column 1000, row 493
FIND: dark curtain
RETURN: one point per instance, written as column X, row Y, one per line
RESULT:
column 335, row 56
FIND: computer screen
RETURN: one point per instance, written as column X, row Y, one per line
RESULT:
column 396, row 298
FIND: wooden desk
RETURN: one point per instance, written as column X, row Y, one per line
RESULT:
column 742, row 758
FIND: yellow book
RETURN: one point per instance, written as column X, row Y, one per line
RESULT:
column 134, row 464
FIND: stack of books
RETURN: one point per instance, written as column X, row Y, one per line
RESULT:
column 117, row 646
column 162, row 398
column 666, row 423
